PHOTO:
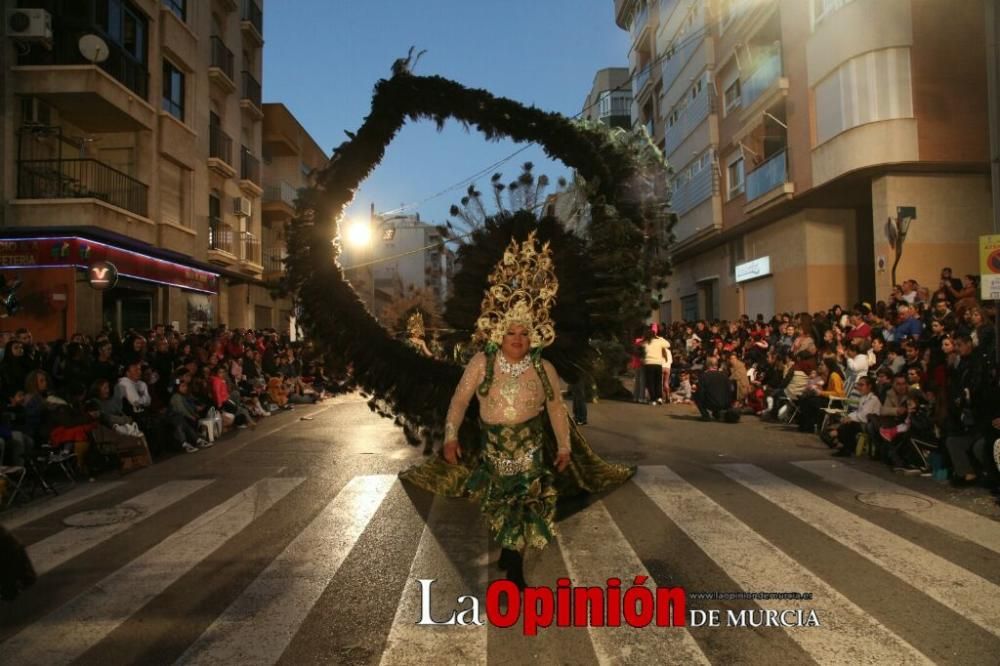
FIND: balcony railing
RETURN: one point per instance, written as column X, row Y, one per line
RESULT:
column 222, row 57
column 249, row 248
column 220, row 145
column 640, row 20
column 768, row 71
column 221, row 236
column 253, row 14
column 767, row 176
column 641, row 79
column 250, row 89
column 80, row 179
column 249, row 166
column 281, row 192
column 274, row 260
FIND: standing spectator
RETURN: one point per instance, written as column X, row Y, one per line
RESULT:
column 655, row 351
column 14, row 369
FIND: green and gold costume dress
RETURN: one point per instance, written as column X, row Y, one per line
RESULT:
column 509, row 467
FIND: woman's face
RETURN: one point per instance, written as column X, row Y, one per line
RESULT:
column 139, row 344
column 975, row 317
column 515, row 343
column 17, row 350
column 947, row 345
column 104, row 391
column 828, row 335
column 42, row 382
column 937, row 327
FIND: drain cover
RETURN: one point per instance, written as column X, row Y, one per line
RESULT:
column 99, row 517
column 895, row 501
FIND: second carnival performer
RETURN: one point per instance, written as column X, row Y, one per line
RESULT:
column 528, row 453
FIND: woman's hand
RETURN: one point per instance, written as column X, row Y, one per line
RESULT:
column 452, row 452
column 562, row 460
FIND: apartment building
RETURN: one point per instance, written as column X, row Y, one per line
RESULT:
column 798, row 128
column 291, row 156
column 132, row 137
column 610, row 98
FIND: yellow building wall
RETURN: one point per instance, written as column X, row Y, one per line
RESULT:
column 953, row 210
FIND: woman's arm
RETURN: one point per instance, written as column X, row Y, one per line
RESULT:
column 471, row 379
column 557, row 410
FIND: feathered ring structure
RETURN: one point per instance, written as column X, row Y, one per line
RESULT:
column 414, row 389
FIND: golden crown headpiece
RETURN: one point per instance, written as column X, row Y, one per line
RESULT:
column 522, row 290
column 415, row 325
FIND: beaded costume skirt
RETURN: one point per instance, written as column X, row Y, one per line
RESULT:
column 519, row 506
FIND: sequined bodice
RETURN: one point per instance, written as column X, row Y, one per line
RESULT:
column 510, row 399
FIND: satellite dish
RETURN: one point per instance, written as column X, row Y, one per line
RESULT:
column 94, row 48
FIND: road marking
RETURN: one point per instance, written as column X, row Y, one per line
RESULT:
column 847, row 635
column 43, row 509
column 974, row 597
column 279, row 600
column 74, row 628
column 594, row 550
column 444, row 544
column 963, row 524
column 70, row 542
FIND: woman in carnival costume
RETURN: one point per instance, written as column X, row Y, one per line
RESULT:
column 528, row 454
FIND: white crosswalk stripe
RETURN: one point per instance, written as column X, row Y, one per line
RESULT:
column 65, row 634
column 973, row 596
column 410, row 643
column 963, row 524
column 63, row 546
column 263, row 619
column 594, row 550
column 282, row 596
column 847, row 634
column 49, row 506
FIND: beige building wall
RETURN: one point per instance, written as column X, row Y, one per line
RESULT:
column 952, row 212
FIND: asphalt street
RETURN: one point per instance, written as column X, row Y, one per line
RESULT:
column 297, row 544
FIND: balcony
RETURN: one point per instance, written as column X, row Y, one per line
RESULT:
column 688, row 193
column 279, row 201
column 641, row 80
column 250, row 173
column 221, row 242
column 274, row 263
column 220, row 71
column 640, row 22
column 250, row 96
column 252, row 22
column 249, row 253
column 81, row 179
column 688, row 120
column 763, row 85
column 220, row 152
column 768, row 182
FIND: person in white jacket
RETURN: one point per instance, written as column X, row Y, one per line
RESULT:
column 854, row 422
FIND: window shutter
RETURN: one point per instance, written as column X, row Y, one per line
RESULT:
column 172, row 178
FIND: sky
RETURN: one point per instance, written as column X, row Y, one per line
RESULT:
column 323, row 57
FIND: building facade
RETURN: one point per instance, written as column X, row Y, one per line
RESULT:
column 133, row 135
column 291, row 156
column 797, row 129
column 610, row 98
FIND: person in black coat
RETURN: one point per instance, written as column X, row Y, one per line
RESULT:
column 715, row 391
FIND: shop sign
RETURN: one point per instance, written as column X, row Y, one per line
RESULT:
column 753, row 269
column 102, row 275
column 989, row 267
column 82, row 253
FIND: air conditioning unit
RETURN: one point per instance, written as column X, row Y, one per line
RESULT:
column 242, row 207
column 30, row 25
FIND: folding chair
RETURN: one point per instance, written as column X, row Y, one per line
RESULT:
column 14, row 475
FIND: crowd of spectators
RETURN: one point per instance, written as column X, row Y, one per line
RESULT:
column 912, row 381
column 107, row 401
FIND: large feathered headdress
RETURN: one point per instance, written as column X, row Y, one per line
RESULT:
column 522, row 291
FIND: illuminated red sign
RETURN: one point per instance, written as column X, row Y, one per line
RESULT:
column 84, row 254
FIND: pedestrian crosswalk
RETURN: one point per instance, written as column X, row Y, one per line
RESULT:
column 765, row 530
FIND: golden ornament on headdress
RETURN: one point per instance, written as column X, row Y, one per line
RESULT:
column 522, row 291
column 415, row 325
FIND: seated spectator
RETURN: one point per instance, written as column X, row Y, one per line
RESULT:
column 221, row 399
column 811, row 405
column 132, row 391
column 854, row 422
column 907, row 325
column 184, row 414
column 683, row 393
column 714, row 395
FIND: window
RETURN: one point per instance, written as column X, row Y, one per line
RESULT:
column 178, row 7
column 733, row 95
column 871, row 87
column 823, row 9
column 697, row 88
column 734, row 176
column 173, row 90
column 175, row 183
